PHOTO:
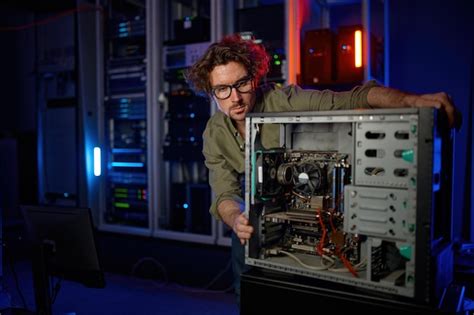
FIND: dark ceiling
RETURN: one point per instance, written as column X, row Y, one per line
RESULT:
column 38, row 5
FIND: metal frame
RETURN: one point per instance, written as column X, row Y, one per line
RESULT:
column 424, row 279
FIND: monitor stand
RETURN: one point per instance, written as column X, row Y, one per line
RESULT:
column 41, row 277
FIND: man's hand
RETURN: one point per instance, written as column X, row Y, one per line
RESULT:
column 439, row 100
column 242, row 228
column 229, row 210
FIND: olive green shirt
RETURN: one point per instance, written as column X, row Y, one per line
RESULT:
column 224, row 148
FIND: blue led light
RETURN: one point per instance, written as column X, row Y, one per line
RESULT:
column 185, row 206
column 97, row 162
column 127, row 164
column 437, row 159
column 192, row 139
column 191, row 115
column 126, row 150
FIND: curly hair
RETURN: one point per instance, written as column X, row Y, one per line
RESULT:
column 231, row 48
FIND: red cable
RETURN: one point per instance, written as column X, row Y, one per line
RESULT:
column 321, row 242
column 348, row 265
column 341, row 256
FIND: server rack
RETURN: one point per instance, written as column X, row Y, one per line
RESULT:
column 183, row 211
column 126, row 207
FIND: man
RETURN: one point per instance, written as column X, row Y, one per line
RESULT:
column 230, row 72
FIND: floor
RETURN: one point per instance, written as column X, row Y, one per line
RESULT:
column 122, row 295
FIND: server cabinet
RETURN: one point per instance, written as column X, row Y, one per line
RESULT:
column 125, row 205
column 183, row 211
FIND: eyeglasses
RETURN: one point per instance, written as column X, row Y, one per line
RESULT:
column 223, row 92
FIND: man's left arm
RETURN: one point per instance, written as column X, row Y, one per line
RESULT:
column 384, row 97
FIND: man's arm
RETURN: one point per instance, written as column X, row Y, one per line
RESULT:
column 384, row 97
column 225, row 183
column 229, row 210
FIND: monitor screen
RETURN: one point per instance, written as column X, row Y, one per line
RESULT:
column 67, row 236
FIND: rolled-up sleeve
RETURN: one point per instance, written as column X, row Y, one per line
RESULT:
column 325, row 100
column 223, row 178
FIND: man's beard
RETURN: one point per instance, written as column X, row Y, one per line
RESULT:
column 238, row 108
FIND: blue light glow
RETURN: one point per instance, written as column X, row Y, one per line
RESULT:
column 126, row 150
column 97, row 162
column 127, row 164
column 185, row 206
column 437, row 163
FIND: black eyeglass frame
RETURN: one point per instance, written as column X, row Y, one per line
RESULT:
column 241, row 82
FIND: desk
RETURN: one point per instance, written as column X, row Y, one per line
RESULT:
column 290, row 294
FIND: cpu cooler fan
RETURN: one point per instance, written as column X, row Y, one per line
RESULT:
column 308, row 178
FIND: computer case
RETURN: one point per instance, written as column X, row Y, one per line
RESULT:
column 358, row 198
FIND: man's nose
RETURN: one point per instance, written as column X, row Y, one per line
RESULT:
column 235, row 95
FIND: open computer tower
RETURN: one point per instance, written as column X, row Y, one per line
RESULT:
column 358, row 198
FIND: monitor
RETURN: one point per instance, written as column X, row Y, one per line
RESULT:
column 63, row 245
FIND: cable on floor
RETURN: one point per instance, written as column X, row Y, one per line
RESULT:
column 154, row 261
column 165, row 282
